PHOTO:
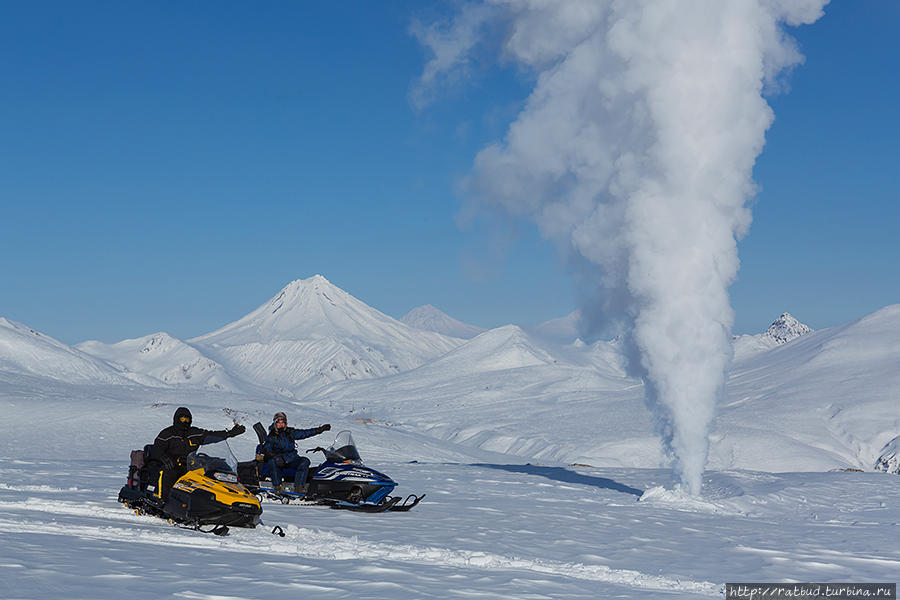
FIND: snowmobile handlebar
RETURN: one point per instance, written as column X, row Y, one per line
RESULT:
column 316, row 449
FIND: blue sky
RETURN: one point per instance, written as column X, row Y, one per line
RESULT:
column 169, row 167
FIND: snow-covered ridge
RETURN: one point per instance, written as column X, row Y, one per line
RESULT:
column 507, row 347
column 26, row 351
column 165, row 358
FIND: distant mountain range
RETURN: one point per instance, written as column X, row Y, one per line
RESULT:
column 308, row 335
column 796, row 398
column 311, row 334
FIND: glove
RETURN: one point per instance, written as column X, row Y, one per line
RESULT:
column 260, row 457
column 236, row 430
column 323, row 428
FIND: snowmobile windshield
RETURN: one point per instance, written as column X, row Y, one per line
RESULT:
column 217, row 461
column 343, row 449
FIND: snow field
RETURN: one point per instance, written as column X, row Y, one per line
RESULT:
column 491, row 530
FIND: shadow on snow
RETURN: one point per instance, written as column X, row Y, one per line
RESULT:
column 567, row 476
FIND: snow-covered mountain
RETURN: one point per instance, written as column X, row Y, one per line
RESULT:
column 165, row 358
column 430, row 318
column 826, row 399
column 312, row 333
column 783, row 330
column 786, row 328
column 26, row 351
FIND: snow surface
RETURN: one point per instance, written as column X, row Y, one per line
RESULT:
column 541, row 469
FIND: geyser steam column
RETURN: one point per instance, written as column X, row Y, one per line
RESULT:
column 635, row 153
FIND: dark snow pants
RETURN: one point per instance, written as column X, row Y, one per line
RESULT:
column 301, row 463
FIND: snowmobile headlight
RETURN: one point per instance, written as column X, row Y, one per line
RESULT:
column 229, row 477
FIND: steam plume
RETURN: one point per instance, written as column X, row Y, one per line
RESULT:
column 635, row 152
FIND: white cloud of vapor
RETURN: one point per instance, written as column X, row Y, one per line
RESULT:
column 635, row 153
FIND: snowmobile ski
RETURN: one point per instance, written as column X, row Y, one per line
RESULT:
column 386, row 505
column 406, row 505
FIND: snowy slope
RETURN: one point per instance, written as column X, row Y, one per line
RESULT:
column 490, row 530
column 26, row 351
column 165, row 358
column 824, row 400
column 507, row 347
column 430, row 318
column 490, row 431
column 312, row 333
column 507, row 391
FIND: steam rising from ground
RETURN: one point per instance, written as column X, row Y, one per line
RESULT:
column 634, row 152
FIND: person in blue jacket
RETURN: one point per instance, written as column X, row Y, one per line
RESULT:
column 280, row 452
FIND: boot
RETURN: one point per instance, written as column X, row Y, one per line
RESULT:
column 300, row 488
column 284, row 487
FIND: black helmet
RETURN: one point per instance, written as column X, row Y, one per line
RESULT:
column 182, row 418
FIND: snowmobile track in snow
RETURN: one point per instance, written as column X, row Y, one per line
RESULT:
column 317, row 545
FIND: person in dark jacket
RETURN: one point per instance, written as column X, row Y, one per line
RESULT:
column 280, row 451
column 174, row 443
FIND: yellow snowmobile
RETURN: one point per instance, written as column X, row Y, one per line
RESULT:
column 207, row 494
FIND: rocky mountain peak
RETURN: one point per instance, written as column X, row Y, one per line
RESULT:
column 786, row 328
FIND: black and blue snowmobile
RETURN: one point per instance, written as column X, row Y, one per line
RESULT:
column 342, row 481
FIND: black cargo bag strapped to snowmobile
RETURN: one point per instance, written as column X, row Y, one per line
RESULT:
column 143, row 470
column 134, row 470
